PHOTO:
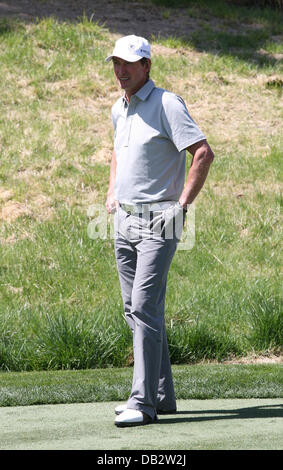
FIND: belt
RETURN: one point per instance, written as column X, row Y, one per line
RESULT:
column 147, row 207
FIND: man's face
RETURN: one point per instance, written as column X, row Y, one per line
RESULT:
column 131, row 76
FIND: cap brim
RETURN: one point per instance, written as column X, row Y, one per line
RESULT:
column 129, row 58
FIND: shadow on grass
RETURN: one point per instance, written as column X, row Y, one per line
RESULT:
column 197, row 27
column 254, row 412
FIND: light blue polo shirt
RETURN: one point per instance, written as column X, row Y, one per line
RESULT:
column 151, row 134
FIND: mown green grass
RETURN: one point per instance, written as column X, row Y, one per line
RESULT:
column 202, row 381
column 60, row 302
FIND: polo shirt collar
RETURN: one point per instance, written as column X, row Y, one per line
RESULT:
column 143, row 92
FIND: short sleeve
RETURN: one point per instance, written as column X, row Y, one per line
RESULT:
column 179, row 125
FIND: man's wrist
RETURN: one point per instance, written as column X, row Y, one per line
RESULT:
column 184, row 206
column 110, row 192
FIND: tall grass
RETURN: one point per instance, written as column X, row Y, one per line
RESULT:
column 61, row 307
column 266, row 319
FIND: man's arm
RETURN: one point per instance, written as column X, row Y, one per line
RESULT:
column 202, row 159
column 111, row 203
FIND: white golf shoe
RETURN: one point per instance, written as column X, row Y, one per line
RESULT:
column 131, row 417
column 120, row 408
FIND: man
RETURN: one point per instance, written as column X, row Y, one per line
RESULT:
column 153, row 130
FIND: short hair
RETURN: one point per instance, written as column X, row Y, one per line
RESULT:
column 143, row 61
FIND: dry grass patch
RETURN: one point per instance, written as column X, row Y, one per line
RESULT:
column 62, row 86
column 27, row 89
column 5, row 194
column 231, row 189
column 257, row 359
column 41, row 206
column 238, row 116
column 270, row 55
column 166, row 51
column 12, row 210
column 103, row 155
column 38, row 207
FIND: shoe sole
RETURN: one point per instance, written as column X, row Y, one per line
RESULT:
column 146, row 420
column 130, row 425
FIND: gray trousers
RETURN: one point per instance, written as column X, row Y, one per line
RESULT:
column 144, row 248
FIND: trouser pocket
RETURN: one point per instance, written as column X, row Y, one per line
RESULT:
column 173, row 222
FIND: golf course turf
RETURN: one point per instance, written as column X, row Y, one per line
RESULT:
column 228, row 424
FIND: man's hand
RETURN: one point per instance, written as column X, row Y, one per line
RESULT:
column 111, row 203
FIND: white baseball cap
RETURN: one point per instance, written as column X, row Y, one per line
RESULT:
column 131, row 48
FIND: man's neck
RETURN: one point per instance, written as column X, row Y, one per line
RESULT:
column 128, row 94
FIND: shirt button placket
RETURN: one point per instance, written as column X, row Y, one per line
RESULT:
column 130, row 116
